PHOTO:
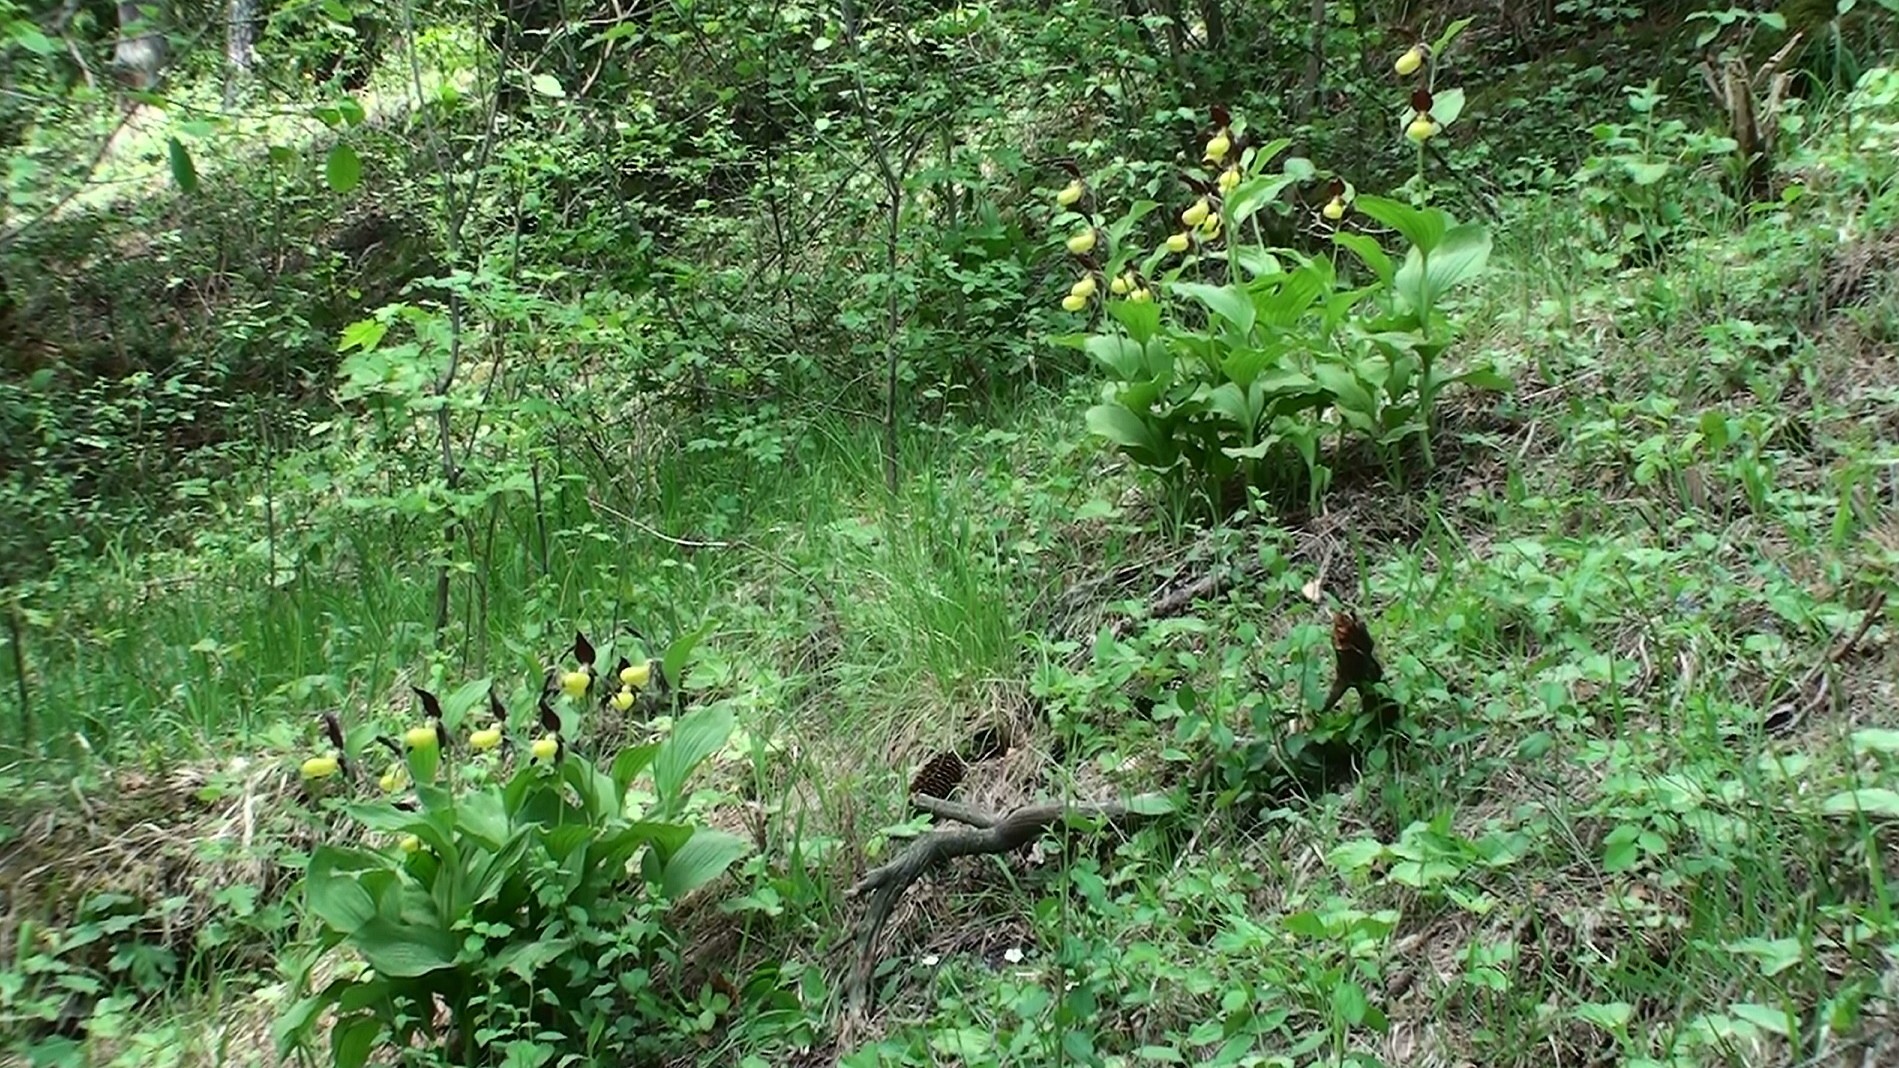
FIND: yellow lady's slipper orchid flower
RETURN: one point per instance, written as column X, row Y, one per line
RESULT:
column 1120, row 286
column 623, row 700
column 1409, row 63
column 1070, row 193
column 637, row 675
column 1178, row 242
column 320, row 767
column 1197, row 214
column 545, row 747
column 1421, row 129
column 410, row 843
column 1335, row 209
column 1141, row 296
column 1074, row 303
column 394, row 779
column 1084, row 288
column 1219, row 147
column 485, row 739
column 1082, row 242
column 1229, row 178
column 574, row 684
column 422, row 737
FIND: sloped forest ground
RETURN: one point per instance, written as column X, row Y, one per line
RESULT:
column 1635, row 805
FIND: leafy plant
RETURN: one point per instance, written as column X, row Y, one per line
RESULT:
column 1242, row 376
column 1644, row 185
column 503, row 919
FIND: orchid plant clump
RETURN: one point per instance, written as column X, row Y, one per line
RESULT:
column 1228, row 359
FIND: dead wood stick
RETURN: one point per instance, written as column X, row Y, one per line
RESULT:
column 990, row 836
column 1357, row 668
column 1182, row 598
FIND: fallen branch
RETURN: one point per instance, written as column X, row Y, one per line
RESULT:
column 992, row 836
column 1322, row 765
column 1182, row 598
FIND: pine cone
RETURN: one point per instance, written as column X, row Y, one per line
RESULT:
column 940, row 777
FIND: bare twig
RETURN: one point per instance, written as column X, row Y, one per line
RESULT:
column 1183, row 598
column 683, row 543
column 992, row 836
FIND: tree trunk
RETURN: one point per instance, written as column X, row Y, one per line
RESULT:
column 240, row 36
column 1315, row 64
column 142, row 50
column 1214, row 18
column 1176, row 32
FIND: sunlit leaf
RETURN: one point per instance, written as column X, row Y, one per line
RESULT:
column 183, row 171
column 1228, row 302
column 1611, row 1016
column 1876, row 740
column 700, row 861
column 29, row 37
column 1253, row 194
column 1150, row 805
column 1872, row 800
column 343, row 170
column 1447, row 105
column 695, row 737
column 1370, row 251
column 364, row 334
column 1424, row 228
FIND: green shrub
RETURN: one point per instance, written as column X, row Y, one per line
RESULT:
column 1242, row 375
column 1652, row 182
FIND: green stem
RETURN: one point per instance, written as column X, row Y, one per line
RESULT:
column 1427, row 387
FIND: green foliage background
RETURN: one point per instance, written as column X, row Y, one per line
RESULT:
column 444, row 330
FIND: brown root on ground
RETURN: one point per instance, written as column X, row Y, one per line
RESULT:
column 990, row 834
